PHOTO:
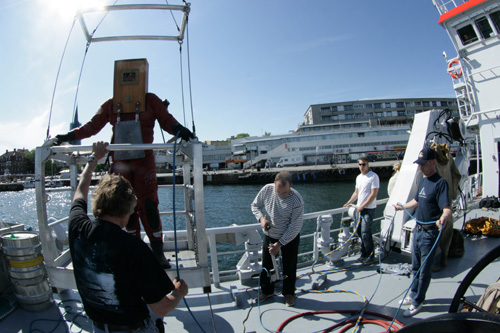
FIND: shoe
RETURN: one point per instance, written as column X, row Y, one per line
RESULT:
column 361, row 260
column 157, row 248
column 407, row 301
column 412, row 310
column 289, row 300
column 364, row 260
column 262, row 297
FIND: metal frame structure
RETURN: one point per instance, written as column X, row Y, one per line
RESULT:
column 90, row 39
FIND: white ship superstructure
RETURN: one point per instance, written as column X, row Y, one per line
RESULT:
column 474, row 29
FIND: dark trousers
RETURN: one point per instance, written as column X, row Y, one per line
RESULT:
column 365, row 232
column 289, row 254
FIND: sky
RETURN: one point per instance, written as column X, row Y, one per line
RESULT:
column 246, row 67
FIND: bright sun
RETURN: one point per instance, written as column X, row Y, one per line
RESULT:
column 67, row 8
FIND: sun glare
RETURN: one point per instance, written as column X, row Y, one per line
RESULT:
column 67, row 8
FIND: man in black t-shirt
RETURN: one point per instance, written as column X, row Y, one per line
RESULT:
column 433, row 206
column 117, row 275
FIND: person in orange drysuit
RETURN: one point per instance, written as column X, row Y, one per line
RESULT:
column 139, row 169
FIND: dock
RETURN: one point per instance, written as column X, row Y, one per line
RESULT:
column 300, row 174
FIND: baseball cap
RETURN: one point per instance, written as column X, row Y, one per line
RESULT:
column 425, row 155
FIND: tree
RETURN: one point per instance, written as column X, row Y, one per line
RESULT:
column 267, row 133
column 242, row 135
column 30, row 161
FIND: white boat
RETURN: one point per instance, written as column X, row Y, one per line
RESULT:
column 329, row 297
column 29, row 182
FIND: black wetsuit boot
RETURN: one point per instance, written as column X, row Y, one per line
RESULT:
column 157, row 248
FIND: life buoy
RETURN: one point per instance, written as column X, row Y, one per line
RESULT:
column 453, row 72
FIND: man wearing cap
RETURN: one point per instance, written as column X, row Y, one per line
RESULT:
column 433, row 205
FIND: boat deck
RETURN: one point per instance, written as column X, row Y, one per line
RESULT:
column 233, row 310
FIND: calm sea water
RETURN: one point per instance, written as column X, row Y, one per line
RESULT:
column 224, row 205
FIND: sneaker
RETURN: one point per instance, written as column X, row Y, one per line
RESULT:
column 262, row 297
column 361, row 260
column 289, row 300
column 412, row 310
column 364, row 260
column 407, row 301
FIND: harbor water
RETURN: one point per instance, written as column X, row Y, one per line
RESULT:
column 225, row 205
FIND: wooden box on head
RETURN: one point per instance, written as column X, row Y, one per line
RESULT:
column 130, row 85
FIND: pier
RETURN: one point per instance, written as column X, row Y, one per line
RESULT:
column 300, row 174
column 322, row 173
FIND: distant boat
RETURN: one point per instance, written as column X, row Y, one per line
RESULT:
column 54, row 183
column 29, row 182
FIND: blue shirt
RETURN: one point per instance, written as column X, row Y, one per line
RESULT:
column 432, row 197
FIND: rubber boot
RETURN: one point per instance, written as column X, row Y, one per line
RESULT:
column 157, row 248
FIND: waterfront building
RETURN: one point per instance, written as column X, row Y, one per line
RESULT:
column 342, row 132
column 13, row 162
column 216, row 155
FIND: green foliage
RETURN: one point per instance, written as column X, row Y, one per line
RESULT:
column 242, row 135
column 30, row 161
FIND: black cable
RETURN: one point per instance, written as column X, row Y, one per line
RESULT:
column 189, row 79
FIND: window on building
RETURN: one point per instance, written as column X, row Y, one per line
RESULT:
column 347, row 107
column 377, row 106
column 408, row 104
column 418, row 104
column 495, row 17
column 484, row 27
column 349, row 116
column 444, row 103
column 369, row 106
column 369, row 114
column 358, row 116
column 400, row 104
column 426, row 104
column 379, row 114
column 336, row 126
column 387, row 105
column 358, row 106
column 334, row 108
column 401, row 113
column 347, row 126
column 325, row 118
column 357, row 125
column 336, row 117
column 467, row 34
column 325, row 109
column 434, row 103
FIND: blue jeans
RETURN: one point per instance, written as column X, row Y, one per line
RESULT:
column 423, row 241
column 365, row 231
column 149, row 328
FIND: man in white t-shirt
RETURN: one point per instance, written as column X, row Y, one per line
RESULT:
column 367, row 185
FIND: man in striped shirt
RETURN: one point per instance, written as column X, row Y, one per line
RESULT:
column 280, row 210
